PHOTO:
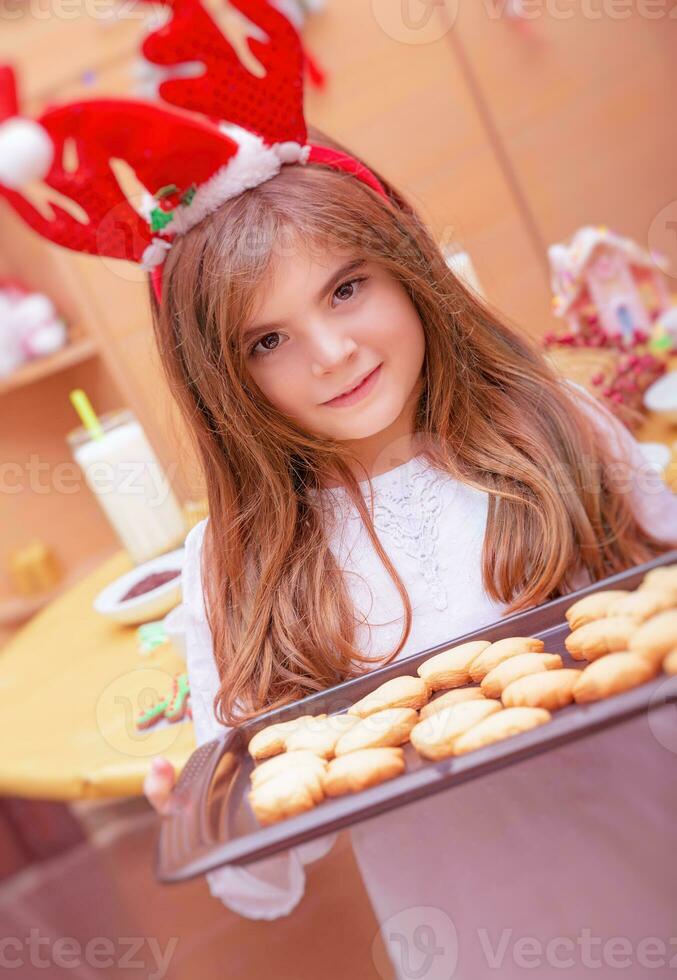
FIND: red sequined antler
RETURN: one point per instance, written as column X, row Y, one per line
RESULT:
column 271, row 105
column 9, row 104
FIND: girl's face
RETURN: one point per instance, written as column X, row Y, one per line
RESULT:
column 324, row 323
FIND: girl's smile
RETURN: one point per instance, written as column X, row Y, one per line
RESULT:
column 358, row 392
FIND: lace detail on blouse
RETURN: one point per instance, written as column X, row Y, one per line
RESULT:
column 408, row 513
column 411, row 516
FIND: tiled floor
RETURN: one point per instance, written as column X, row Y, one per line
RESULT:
column 105, row 890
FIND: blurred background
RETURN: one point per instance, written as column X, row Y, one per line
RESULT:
column 537, row 140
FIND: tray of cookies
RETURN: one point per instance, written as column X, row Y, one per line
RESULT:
column 457, row 711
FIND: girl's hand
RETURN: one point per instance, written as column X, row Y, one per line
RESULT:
column 158, row 785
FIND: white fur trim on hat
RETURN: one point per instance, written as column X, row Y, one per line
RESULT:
column 253, row 164
column 26, row 152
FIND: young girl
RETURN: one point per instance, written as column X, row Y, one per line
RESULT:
column 460, row 482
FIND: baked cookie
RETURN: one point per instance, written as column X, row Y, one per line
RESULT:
column 499, row 651
column 321, row 735
column 382, row 728
column 613, row 674
column 359, row 770
column 592, row 607
column 451, row 668
column 601, row 637
column 286, row 760
column 449, row 698
column 272, row 739
column 503, row 724
column 670, row 663
column 643, row 604
column 549, row 689
column 398, row 692
column 656, row 637
column 285, row 794
column 434, row 738
column 511, row 669
column 662, row 577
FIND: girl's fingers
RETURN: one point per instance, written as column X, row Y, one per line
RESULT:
column 160, row 766
column 159, row 783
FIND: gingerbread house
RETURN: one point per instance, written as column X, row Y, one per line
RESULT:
column 601, row 277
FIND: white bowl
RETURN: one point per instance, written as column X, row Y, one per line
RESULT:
column 149, row 606
column 661, row 397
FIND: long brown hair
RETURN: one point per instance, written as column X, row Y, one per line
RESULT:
column 492, row 413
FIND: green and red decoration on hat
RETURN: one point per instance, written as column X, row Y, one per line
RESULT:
column 168, row 199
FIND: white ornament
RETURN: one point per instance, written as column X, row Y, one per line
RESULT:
column 33, row 311
column 46, row 339
column 291, row 152
column 29, row 327
column 11, row 354
column 26, row 152
column 154, row 254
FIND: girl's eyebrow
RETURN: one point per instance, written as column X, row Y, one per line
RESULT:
column 345, row 270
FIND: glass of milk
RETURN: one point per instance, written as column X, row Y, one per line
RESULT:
column 125, row 476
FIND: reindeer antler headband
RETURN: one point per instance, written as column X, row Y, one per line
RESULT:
column 232, row 130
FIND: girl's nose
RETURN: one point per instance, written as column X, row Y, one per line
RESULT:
column 329, row 350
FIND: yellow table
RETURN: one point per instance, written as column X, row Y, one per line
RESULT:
column 71, row 686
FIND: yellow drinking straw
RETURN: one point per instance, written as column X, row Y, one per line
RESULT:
column 88, row 416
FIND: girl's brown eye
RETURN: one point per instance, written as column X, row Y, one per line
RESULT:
column 346, row 285
column 352, row 283
column 253, row 350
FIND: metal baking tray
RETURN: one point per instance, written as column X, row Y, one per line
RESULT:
column 215, row 826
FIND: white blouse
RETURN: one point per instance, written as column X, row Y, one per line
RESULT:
column 478, row 835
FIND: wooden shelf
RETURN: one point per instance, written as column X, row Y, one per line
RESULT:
column 73, row 353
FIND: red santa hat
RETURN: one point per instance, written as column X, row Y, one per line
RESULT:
column 214, row 135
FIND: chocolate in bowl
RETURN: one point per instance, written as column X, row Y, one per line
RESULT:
column 150, row 582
